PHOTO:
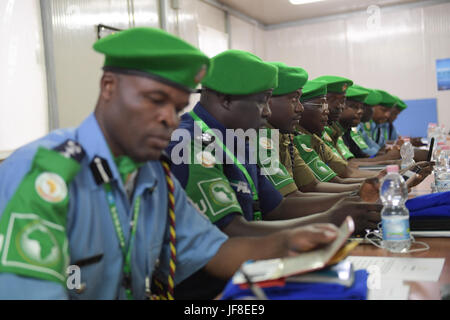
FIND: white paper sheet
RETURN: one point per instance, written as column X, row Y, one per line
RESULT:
column 389, row 289
column 386, row 274
column 410, row 269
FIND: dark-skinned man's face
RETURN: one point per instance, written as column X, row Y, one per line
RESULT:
column 336, row 104
column 381, row 114
column 315, row 115
column 367, row 114
column 351, row 116
column 394, row 114
column 139, row 115
column 286, row 111
column 249, row 111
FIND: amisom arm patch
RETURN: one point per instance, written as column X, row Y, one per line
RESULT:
column 33, row 239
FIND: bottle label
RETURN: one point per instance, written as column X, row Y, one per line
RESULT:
column 442, row 185
column 395, row 229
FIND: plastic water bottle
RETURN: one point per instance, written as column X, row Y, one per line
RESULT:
column 407, row 154
column 430, row 131
column 442, row 170
column 394, row 215
column 437, row 150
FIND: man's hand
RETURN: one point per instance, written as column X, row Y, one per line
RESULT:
column 394, row 153
column 425, row 170
column 370, row 190
column 381, row 174
column 309, row 237
column 365, row 215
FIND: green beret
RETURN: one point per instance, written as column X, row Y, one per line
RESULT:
column 400, row 104
column 289, row 78
column 313, row 89
column 336, row 84
column 156, row 54
column 373, row 98
column 387, row 100
column 356, row 94
column 237, row 72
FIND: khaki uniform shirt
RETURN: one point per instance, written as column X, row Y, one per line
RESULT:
column 336, row 163
column 290, row 158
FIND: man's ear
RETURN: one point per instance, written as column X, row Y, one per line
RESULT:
column 108, row 85
column 225, row 101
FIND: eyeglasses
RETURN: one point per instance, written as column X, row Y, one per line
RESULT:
column 319, row 106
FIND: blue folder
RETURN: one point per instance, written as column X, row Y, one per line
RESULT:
column 430, row 212
column 305, row 291
column 430, row 205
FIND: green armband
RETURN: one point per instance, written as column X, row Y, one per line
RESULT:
column 345, row 151
column 271, row 167
column 33, row 238
column 322, row 172
column 358, row 139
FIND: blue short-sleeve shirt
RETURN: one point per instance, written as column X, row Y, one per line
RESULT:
column 91, row 232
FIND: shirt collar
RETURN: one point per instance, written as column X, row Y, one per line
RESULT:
column 212, row 122
column 91, row 138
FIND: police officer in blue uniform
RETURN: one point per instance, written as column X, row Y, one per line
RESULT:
column 97, row 198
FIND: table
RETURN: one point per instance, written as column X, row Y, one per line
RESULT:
column 439, row 248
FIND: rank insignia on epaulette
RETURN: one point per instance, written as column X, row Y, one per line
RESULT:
column 100, row 170
column 71, row 149
column 205, row 138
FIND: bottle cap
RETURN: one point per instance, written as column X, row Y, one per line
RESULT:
column 432, row 124
column 392, row 168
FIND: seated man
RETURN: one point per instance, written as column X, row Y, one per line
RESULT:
column 381, row 114
column 307, row 140
column 285, row 114
column 335, row 97
column 378, row 125
column 349, row 119
column 373, row 98
column 233, row 193
column 100, row 197
column 391, row 132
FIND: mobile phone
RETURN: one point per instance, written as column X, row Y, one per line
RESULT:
column 430, row 151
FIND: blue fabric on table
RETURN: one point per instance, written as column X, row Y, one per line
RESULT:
column 430, row 205
column 306, row 291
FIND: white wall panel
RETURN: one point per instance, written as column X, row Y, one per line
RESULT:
column 23, row 89
column 77, row 65
column 210, row 16
column 398, row 56
column 246, row 36
column 320, row 48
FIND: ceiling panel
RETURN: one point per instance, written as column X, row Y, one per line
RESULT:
column 280, row 11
